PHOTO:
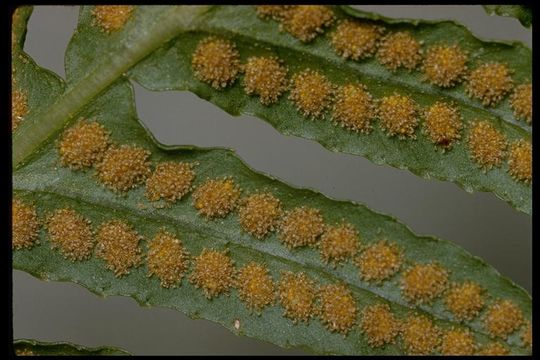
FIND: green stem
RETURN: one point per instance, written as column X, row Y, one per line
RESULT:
column 41, row 126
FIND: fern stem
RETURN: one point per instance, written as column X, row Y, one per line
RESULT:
column 41, row 126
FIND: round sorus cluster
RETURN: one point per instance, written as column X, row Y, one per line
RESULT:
column 276, row 12
column 490, row 83
column 167, row 259
column 520, row 161
column 420, row 335
column 443, row 124
column 339, row 243
column 19, row 107
column 355, row 40
column 465, row 300
column 526, row 335
column 255, row 286
column 124, row 167
column 83, row 145
column 398, row 116
column 379, row 324
column 213, row 272
column 312, row 93
column 354, row 108
column 521, row 102
column 486, row 145
column 337, row 309
column 424, row 282
column 458, row 342
column 301, row 226
column 24, row 226
column 170, row 181
column 297, row 296
column 502, row 318
column 111, row 17
column 24, row 352
column 118, row 245
column 400, row 49
column 379, row 261
column 216, row 62
column 259, row 214
column 493, row 349
column 265, row 77
column 71, row 233
column 216, row 197
column 445, row 65
column 305, row 22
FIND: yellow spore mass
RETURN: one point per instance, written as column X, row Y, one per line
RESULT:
column 458, row 342
column 216, row 197
column 398, row 116
column 312, row 93
column 301, row 226
column 445, row 65
column 255, row 286
column 379, row 261
column 338, row 308
column 379, row 325
column 520, row 161
column 276, row 12
column 297, row 295
column 24, row 226
column 354, row 108
column 526, row 335
column 118, row 245
column 355, row 40
column 339, row 243
column 167, row 259
column 486, row 145
column 265, row 77
column 170, row 181
column 71, row 233
column 420, row 335
column 305, row 22
column 112, row 18
column 24, row 352
column 521, row 102
column 259, row 214
column 400, row 49
column 443, row 124
column 19, row 107
column 213, row 272
column 465, row 300
column 424, row 282
column 502, row 318
column 83, row 144
column 493, row 349
column 123, row 167
column 489, row 83
column 216, row 62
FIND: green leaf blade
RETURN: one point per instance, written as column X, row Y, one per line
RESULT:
column 18, row 27
column 50, row 186
column 43, row 182
column 98, row 76
column 41, row 348
column 521, row 12
column 170, row 69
